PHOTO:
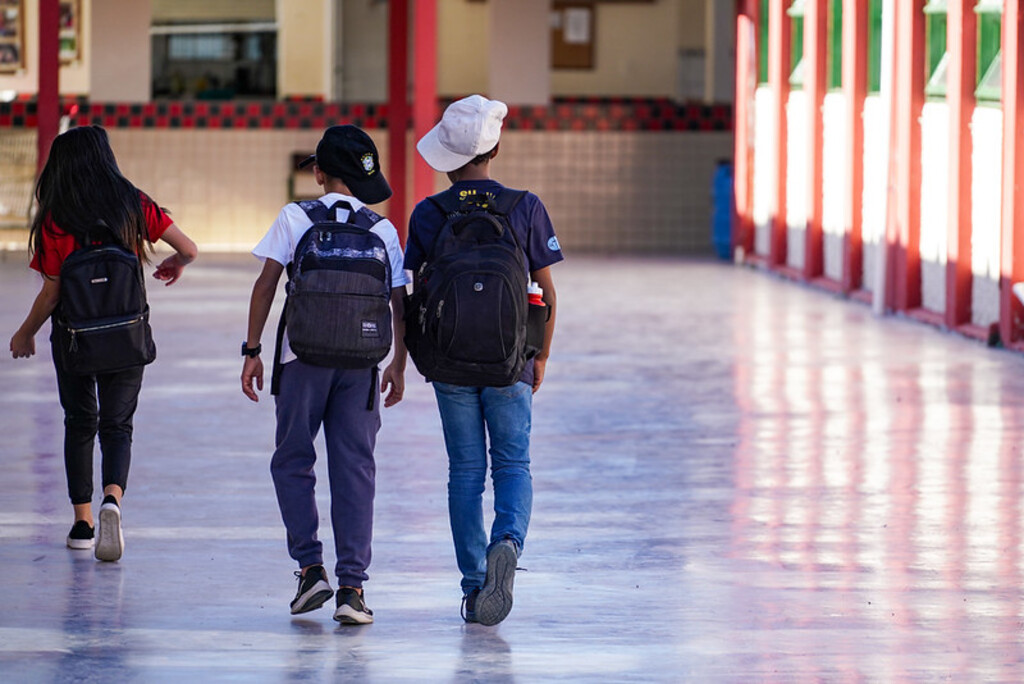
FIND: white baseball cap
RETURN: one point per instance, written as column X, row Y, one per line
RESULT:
column 470, row 127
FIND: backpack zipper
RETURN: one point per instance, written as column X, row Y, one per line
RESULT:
column 119, row 324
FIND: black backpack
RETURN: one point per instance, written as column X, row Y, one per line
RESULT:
column 101, row 324
column 466, row 321
column 338, row 309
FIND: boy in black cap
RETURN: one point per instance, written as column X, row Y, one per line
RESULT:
column 346, row 164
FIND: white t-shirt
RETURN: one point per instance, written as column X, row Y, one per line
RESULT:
column 292, row 223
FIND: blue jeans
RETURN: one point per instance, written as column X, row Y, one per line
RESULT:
column 470, row 417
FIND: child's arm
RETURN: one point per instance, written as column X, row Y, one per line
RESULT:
column 543, row 278
column 185, row 253
column 394, row 374
column 23, row 344
column 263, row 292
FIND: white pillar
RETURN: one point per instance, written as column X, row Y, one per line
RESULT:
column 520, row 55
column 720, row 42
column 304, row 47
column 120, row 59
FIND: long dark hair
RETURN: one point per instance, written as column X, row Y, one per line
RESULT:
column 82, row 185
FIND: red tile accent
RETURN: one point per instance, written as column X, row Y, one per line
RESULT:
column 567, row 114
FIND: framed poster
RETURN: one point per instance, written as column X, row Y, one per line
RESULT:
column 70, row 31
column 12, row 36
column 572, row 35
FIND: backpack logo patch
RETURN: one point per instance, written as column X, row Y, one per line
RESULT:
column 370, row 329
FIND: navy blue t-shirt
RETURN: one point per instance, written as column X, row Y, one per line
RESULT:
column 529, row 220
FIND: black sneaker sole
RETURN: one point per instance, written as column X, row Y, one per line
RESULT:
column 312, row 601
column 494, row 602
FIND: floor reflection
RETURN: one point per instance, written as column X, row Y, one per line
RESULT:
column 889, row 485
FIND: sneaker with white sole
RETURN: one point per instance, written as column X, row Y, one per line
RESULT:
column 352, row 608
column 314, row 590
column 110, row 539
column 81, row 536
column 494, row 601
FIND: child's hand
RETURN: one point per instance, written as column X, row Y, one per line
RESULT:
column 22, row 345
column 169, row 269
column 394, row 379
column 252, row 373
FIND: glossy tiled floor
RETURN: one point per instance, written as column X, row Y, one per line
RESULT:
column 737, row 479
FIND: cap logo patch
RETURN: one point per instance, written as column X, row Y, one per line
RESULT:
column 367, row 161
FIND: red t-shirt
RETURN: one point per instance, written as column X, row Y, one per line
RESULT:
column 57, row 244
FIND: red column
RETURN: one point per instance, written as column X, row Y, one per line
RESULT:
column 904, row 233
column 815, row 84
column 48, row 100
column 962, row 45
column 855, row 88
column 424, row 107
column 398, row 109
column 1011, row 312
column 779, row 33
column 746, row 87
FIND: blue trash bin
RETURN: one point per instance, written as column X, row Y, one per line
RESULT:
column 722, row 209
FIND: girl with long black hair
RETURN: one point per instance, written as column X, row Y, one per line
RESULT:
column 80, row 186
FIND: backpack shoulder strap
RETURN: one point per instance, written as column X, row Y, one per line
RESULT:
column 318, row 213
column 447, row 201
column 365, row 217
column 102, row 233
column 315, row 210
column 507, row 200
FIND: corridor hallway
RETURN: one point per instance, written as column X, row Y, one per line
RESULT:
column 737, row 479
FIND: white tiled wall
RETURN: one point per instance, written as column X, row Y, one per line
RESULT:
column 224, row 188
column 987, row 129
column 605, row 191
column 934, row 205
column 796, row 178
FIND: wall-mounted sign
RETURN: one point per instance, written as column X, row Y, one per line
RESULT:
column 12, row 36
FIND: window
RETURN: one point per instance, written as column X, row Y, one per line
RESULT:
column 936, row 57
column 762, row 45
column 834, row 39
column 796, row 74
column 215, row 61
column 874, row 46
column 835, row 44
column 990, row 56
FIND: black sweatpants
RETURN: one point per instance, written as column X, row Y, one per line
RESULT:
column 97, row 403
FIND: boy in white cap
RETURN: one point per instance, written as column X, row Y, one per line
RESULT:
column 346, row 164
column 462, row 145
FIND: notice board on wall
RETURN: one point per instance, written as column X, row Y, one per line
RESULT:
column 12, row 36
column 572, row 35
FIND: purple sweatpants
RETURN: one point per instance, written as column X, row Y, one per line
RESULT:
column 309, row 397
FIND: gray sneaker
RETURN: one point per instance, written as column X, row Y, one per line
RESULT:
column 110, row 539
column 494, row 601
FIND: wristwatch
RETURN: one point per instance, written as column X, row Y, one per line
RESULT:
column 253, row 352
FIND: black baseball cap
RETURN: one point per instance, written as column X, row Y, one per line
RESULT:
column 348, row 153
